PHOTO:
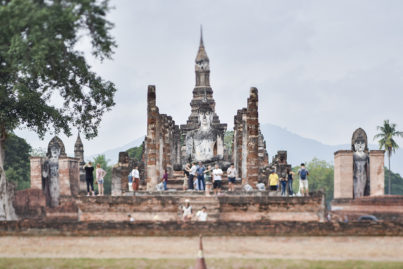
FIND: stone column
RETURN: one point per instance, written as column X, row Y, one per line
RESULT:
column 36, row 172
column 376, row 172
column 252, row 122
column 151, row 139
column 64, row 176
column 343, row 174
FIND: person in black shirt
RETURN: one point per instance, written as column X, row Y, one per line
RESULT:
column 89, row 177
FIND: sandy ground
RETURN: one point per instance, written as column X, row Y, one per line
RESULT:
column 312, row 248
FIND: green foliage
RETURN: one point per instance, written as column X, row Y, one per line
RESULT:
column 40, row 63
column 39, row 152
column 135, row 153
column 228, row 141
column 396, row 182
column 321, row 177
column 16, row 164
column 100, row 159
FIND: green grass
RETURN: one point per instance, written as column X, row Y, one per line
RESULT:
column 189, row 263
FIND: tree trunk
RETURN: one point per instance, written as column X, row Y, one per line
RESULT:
column 390, row 172
column 6, row 190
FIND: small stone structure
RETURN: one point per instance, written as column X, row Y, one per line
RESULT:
column 358, row 172
column 79, row 154
column 56, row 174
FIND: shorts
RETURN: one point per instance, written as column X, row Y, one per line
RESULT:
column 303, row 184
column 273, row 188
column 217, row 184
column 231, row 179
column 100, row 181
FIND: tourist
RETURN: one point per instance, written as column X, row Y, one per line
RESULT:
column 303, row 179
column 231, row 174
column 201, row 215
column 209, row 180
column 260, row 186
column 131, row 219
column 89, row 178
column 283, row 182
column 186, row 179
column 290, row 175
column 247, row 187
column 273, row 181
column 100, row 174
column 200, row 176
column 136, row 178
column 165, row 179
column 217, row 173
column 192, row 174
column 187, row 211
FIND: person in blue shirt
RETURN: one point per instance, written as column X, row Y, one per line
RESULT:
column 200, row 176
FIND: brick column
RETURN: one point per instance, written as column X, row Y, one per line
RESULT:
column 252, row 122
column 36, row 172
column 343, row 174
column 151, row 139
column 376, row 172
column 64, row 176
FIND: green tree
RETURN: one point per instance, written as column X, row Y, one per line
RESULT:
column 45, row 81
column 100, row 159
column 17, row 165
column 135, row 152
column 386, row 141
column 321, row 177
column 396, row 182
column 228, row 141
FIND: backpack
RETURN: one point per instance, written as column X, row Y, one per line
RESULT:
column 303, row 173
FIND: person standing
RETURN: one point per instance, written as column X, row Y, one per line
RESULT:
column 136, row 178
column 192, row 174
column 200, row 176
column 217, row 173
column 165, row 179
column 231, row 174
column 207, row 176
column 100, row 174
column 303, row 179
column 273, row 181
column 89, row 178
column 283, row 182
column 186, row 179
column 290, row 181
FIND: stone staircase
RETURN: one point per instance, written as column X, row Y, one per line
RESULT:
column 197, row 202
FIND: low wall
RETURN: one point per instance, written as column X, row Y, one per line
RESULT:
column 261, row 228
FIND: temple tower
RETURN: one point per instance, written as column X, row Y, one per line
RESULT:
column 79, row 150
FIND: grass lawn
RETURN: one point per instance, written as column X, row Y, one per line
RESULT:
column 188, row 263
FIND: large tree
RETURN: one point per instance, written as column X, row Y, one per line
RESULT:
column 46, row 84
column 387, row 135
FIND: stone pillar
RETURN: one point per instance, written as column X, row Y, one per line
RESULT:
column 151, row 139
column 252, row 122
column 69, row 176
column 36, row 172
column 376, row 172
column 343, row 174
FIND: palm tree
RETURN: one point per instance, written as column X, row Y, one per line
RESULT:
column 387, row 134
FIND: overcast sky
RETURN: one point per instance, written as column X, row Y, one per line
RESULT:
column 323, row 68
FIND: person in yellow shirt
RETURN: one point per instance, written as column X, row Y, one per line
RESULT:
column 273, row 181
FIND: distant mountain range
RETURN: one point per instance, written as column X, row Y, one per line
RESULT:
column 299, row 149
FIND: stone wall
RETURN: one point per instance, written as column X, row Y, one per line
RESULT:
column 162, row 142
column 249, row 149
column 174, row 228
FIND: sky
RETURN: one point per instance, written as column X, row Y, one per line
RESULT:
column 322, row 68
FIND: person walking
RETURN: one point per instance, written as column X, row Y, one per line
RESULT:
column 100, row 174
column 303, row 180
column 136, row 178
column 165, row 179
column 231, row 174
column 192, row 174
column 273, row 181
column 217, row 173
column 208, row 178
column 290, row 176
column 200, row 176
column 89, row 178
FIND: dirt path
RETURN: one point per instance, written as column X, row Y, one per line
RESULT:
column 312, row 248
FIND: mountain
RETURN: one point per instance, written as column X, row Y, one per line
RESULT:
column 299, row 149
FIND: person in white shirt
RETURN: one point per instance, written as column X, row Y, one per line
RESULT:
column 231, row 174
column 201, row 215
column 136, row 178
column 217, row 173
column 187, row 211
column 192, row 174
